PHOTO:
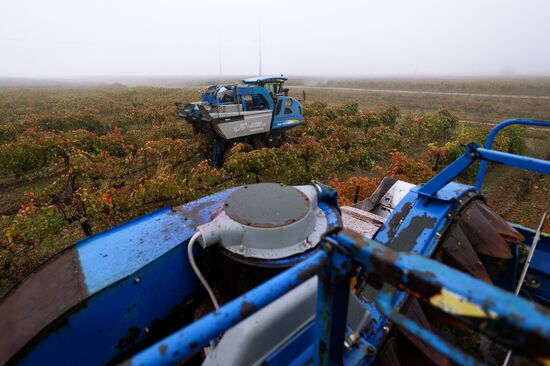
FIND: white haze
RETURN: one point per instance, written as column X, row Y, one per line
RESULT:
column 69, row 38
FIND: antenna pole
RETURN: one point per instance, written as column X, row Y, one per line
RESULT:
column 219, row 54
column 260, row 48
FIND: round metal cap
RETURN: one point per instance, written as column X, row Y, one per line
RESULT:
column 267, row 205
column 267, row 221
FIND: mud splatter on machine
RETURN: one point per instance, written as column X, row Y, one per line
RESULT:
column 277, row 275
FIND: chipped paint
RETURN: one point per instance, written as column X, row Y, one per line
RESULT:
column 456, row 304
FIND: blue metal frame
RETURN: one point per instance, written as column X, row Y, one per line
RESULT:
column 184, row 343
column 513, row 322
column 474, row 152
column 491, row 137
column 332, row 305
column 527, row 324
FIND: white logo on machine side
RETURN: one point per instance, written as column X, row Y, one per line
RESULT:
column 252, row 126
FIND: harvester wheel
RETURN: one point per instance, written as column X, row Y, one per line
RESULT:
column 284, row 139
column 218, row 151
column 258, row 141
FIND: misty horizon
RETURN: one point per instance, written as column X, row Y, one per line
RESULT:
column 62, row 39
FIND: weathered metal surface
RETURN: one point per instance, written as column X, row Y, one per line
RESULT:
column 267, row 205
column 57, row 286
column 89, row 287
column 118, row 252
column 513, row 322
column 393, row 196
column 332, row 306
column 502, row 227
column 457, row 252
column 119, row 320
column 537, row 284
column 371, row 203
column 363, row 215
column 267, row 221
column 363, row 222
column 394, row 222
column 483, row 237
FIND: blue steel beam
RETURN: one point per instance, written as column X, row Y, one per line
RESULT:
column 332, row 306
column 452, row 171
column 518, row 324
column 491, row 137
column 517, row 161
column 191, row 339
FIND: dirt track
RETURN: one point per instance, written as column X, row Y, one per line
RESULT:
column 515, row 96
column 538, row 129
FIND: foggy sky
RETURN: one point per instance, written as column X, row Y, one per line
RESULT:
column 67, row 38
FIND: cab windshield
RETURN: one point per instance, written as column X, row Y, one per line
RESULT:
column 274, row 88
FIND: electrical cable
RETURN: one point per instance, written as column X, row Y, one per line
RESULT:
column 201, row 278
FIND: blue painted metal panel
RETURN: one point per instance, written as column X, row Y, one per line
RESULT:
column 285, row 119
column 416, row 220
column 116, row 253
column 453, row 191
column 127, row 300
column 150, row 248
column 115, row 320
column 415, row 224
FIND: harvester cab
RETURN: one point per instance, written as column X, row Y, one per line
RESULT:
column 274, row 85
column 256, row 112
